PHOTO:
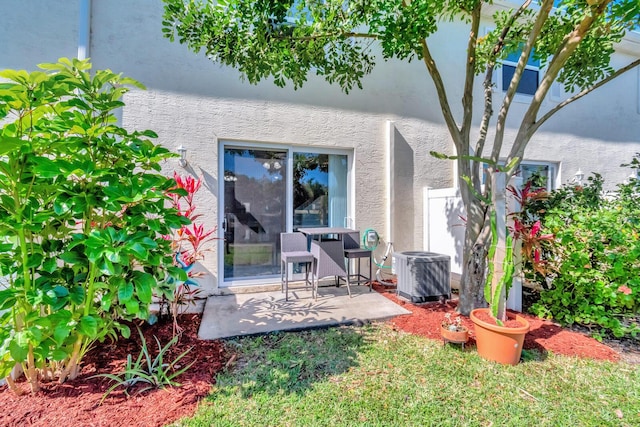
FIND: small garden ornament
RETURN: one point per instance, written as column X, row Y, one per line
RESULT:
column 452, row 330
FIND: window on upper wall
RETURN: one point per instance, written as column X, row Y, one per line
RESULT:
column 530, row 77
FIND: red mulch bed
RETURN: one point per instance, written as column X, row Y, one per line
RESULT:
column 544, row 335
column 77, row 402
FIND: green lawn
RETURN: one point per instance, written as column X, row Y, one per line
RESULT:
column 374, row 376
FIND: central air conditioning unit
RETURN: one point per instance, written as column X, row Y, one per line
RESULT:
column 423, row 276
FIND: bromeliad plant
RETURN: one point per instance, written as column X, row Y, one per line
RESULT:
column 82, row 212
column 187, row 245
column 537, row 247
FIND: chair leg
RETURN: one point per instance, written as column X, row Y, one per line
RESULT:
column 286, row 282
column 370, row 273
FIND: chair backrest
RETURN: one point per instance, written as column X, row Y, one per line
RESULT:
column 293, row 242
column 329, row 258
column 352, row 240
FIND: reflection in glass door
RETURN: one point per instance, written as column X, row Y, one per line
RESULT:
column 255, row 192
column 319, row 190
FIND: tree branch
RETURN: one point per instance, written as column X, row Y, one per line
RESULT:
column 488, row 92
column 584, row 92
column 442, row 96
column 543, row 14
column 566, row 49
column 467, row 97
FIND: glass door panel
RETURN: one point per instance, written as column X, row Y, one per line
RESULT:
column 319, row 190
column 254, row 200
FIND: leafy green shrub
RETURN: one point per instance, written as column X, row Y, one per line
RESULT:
column 153, row 372
column 82, row 212
column 596, row 275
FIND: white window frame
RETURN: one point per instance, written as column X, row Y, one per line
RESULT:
column 552, row 176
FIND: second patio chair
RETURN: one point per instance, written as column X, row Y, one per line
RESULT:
column 293, row 249
column 352, row 250
column 329, row 261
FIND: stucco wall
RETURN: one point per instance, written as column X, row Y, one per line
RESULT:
column 195, row 103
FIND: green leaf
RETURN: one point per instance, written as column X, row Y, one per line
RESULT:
column 7, row 298
column 144, row 292
column 145, row 283
column 46, row 168
column 125, row 292
column 125, row 331
column 61, row 291
column 50, row 265
column 76, row 295
column 18, row 352
column 105, row 301
column 88, row 326
column 177, row 274
column 34, row 260
column 9, row 144
column 106, row 267
column 60, row 333
column 72, row 258
column 59, row 355
column 132, row 307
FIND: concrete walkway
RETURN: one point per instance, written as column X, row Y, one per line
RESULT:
column 249, row 314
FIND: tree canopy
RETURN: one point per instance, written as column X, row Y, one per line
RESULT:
column 288, row 40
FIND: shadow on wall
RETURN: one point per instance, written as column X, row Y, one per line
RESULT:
column 402, row 197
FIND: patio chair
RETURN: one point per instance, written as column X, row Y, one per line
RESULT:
column 353, row 251
column 329, row 261
column 293, row 249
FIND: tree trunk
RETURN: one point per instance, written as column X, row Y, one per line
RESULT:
column 474, row 259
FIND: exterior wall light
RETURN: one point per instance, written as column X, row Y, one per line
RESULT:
column 578, row 177
column 183, row 155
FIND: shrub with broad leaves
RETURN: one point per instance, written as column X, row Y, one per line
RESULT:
column 83, row 209
column 596, row 276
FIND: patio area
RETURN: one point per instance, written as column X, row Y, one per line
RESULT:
column 258, row 313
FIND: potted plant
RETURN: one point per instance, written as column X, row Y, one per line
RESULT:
column 499, row 336
column 452, row 330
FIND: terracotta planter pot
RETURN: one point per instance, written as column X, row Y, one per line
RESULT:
column 497, row 343
column 458, row 337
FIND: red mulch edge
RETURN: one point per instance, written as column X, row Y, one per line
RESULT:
column 544, row 335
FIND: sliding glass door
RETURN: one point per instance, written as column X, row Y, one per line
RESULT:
column 254, row 211
column 266, row 191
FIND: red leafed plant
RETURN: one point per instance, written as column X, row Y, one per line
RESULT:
column 187, row 242
column 528, row 229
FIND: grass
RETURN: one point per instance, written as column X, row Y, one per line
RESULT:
column 375, row 376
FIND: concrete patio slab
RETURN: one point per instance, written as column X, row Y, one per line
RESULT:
column 250, row 314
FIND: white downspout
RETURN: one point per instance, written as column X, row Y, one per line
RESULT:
column 84, row 29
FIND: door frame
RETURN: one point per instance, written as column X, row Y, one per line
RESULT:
column 223, row 282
